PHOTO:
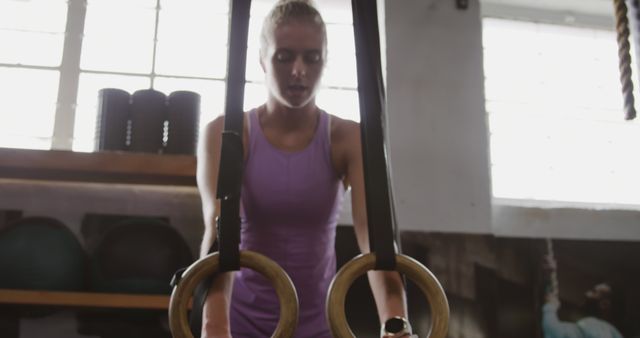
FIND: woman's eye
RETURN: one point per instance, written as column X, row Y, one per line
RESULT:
column 312, row 57
column 284, row 56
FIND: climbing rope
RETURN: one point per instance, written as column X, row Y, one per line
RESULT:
column 624, row 56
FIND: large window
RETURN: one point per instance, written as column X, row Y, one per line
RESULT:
column 168, row 45
column 49, row 85
column 32, row 38
column 555, row 110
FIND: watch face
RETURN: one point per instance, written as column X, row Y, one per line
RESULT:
column 394, row 325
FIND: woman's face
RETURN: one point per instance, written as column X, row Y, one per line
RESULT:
column 293, row 61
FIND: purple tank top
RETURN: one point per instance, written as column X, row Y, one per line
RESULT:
column 290, row 207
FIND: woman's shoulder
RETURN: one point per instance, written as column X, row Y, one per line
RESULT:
column 212, row 131
column 216, row 126
column 343, row 130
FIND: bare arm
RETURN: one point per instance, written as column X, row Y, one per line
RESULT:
column 215, row 320
column 387, row 286
column 553, row 327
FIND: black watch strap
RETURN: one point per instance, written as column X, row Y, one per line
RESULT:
column 396, row 327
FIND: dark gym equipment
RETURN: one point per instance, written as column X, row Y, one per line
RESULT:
column 232, row 152
column 138, row 255
column 135, row 255
column 183, row 115
column 41, row 253
column 148, row 116
column 112, row 119
column 38, row 253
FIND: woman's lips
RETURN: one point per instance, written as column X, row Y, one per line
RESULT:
column 296, row 89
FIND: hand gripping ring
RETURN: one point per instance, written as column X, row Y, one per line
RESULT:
column 415, row 271
column 198, row 271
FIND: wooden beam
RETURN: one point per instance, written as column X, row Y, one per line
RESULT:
column 105, row 167
column 84, row 299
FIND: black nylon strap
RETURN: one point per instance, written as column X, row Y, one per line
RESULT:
column 232, row 153
column 372, row 104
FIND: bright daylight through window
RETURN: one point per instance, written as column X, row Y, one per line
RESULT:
column 555, row 111
column 189, row 53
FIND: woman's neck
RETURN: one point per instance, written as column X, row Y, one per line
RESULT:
column 288, row 118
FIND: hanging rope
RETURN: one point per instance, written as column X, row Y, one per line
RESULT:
column 624, row 56
column 553, row 283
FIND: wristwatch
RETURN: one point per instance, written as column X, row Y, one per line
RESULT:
column 395, row 327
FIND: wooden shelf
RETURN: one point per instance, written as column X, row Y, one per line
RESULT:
column 103, row 167
column 84, row 299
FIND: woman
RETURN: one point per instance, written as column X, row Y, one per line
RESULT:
column 298, row 162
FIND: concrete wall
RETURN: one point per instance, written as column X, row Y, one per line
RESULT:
column 436, row 117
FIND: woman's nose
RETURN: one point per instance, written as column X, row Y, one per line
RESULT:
column 299, row 67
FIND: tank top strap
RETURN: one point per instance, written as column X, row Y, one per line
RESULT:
column 251, row 127
column 253, row 120
column 323, row 136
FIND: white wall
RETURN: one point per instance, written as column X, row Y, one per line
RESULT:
column 436, row 116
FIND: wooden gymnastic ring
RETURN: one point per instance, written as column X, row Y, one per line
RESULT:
column 198, row 271
column 415, row 271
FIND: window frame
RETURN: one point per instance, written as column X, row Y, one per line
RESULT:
column 527, row 218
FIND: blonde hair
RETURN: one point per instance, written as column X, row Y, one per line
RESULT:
column 285, row 10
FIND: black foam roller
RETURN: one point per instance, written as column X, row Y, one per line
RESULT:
column 112, row 119
column 148, row 114
column 183, row 117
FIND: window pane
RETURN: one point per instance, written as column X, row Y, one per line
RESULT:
column 45, row 16
column 340, row 39
column 29, row 48
column 32, row 32
column 191, row 40
column 335, row 11
column 87, row 108
column 342, row 103
column 136, row 4
column 255, row 94
column 555, row 115
column 259, row 10
column 29, row 103
column 211, row 94
column 340, row 71
column 210, row 7
column 254, row 71
column 341, row 59
column 119, row 36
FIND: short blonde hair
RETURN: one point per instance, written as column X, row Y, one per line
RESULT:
column 285, row 10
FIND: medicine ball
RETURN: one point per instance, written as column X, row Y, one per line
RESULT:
column 138, row 255
column 41, row 253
